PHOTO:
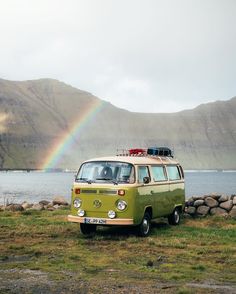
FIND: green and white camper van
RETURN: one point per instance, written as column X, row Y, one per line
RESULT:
column 129, row 189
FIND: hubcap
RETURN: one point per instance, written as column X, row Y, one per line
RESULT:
column 145, row 226
column 176, row 216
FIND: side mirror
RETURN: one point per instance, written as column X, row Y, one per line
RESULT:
column 146, row 180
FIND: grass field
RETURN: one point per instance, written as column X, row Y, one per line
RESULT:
column 40, row 252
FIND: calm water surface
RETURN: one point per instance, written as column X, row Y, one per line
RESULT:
column 35, row 186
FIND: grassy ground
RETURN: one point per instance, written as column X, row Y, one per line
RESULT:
column 40, row 252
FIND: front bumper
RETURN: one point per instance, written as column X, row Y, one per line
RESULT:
column 108, row 221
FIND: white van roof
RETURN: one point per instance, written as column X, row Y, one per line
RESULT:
column 138, row 159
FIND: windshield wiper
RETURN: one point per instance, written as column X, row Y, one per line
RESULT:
column 85, row 180
column 108, row 179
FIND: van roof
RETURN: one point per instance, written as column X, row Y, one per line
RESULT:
column 138, row 159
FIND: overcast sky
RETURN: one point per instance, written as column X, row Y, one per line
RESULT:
column 141, row 55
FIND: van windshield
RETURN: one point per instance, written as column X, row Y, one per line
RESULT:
column 106, row 172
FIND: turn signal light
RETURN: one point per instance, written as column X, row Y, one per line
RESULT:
column 121, row 192
column 77, row 190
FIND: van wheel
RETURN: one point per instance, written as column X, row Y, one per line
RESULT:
column 174, row 218
column 86, row 229
column 145, row 227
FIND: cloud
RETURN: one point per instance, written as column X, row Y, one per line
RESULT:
column 153, row 55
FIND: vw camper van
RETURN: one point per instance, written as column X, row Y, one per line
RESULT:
column 130, row 189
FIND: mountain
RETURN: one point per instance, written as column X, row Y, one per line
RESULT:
column 36, row 116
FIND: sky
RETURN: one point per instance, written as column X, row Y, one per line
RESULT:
column 141, row 55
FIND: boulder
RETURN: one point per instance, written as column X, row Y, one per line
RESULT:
column 211, row 202
column 26, row 205
column 190, row 210
column 234, row 200
column 218, row 211
column 203, row 210
column 198, row 202
column 197, row 197
column 37, row 206
column 49, row 205
column 215, row 196
column 232, row 212
column 223, row 198
column 227, row 204
column 2, row 207
column 60, row 201
column 56, row 206
column 189, row 202
column 44, row 202
column 15, row 207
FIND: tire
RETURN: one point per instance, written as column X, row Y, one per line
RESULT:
column 174, row 218
column 145, row 227
column 86, row 229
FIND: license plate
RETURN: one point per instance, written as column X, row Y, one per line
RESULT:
column 97, row 221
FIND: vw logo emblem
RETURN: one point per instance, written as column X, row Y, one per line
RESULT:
column 97, row 203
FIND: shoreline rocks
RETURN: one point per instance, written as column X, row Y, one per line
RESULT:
column 57, row 203
column 212, row 204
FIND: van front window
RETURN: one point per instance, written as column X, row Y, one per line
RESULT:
column 105, row 172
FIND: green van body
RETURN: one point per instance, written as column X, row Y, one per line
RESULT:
column 158, row 198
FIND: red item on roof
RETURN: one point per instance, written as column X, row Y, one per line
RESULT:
column 137, row 151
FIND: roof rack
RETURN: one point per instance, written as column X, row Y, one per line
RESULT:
column 141, row 152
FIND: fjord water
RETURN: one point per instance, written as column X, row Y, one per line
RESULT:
column 35, row 186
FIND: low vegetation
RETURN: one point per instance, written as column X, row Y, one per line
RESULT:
column 41, row 252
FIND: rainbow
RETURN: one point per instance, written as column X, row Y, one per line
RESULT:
column 66, row 141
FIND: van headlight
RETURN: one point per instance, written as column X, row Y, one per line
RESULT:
column 77, row 203
column 111, row 214
column 81, row 212
column 121, row 205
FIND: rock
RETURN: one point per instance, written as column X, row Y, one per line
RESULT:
column 49, row 205
column 26, row 205
column 50, row 208
column 37, row 206
column 233, row 212
column 2, row 207
column 60, row 201
column 234, row 200
column 189, row 202
column 211, row 202
column 56, row 206
column 198, row 198
column 15, row 207
column 203, row 210
column 214, row 196
column 190, row 210
column 218, row 211
column 44, row 202
column 223, row 198
column 227, row 204
column 198, row 202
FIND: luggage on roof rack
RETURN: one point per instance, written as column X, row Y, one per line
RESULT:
column 137, row 151
column 159, row 151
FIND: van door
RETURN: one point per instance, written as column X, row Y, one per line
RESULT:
column 160, row 191
column 176, row 186
column 144, row 190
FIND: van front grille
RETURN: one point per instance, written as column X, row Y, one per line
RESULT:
column 110, row 192
column 88, row 191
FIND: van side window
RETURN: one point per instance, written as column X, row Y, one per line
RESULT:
column 181, row 171
column 173, row 173
column 158, row 173
column 142, row 172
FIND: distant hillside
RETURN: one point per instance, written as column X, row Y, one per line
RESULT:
column 35, row 115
